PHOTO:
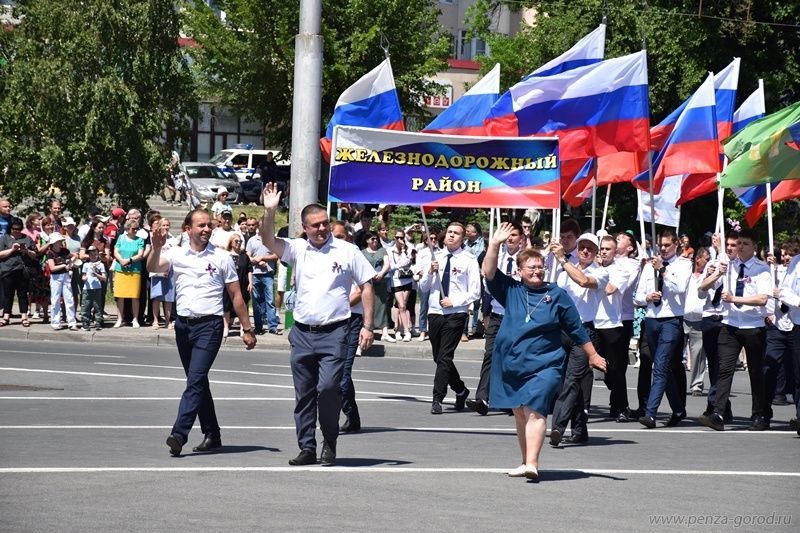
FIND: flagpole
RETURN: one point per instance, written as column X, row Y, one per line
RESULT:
column 594, row 203
column 605, row 206
column 770, row 234
column 652, row 203
column 428, row 239
column 641, row 220
column 678, row 222
column 491, row 221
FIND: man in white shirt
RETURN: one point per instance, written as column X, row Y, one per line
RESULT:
column 201, row 273
column 424, row 258
column 746, row 290
column 506, row 262
column 568, row 240
column 790, row 296
column 324, row 271
column 662, row 289
column 585, row 283
column 453, row 282
column 612, row 337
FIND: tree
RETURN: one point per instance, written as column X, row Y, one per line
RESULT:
column 684, row 41
column 93, row 93
column 246, row 61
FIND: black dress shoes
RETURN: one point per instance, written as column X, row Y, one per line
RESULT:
column 675, row 419
column 306, row 457
column 627, row 416
column 713, row 421
column 208, row 444
column 436, row 408
column 759, row 424
column 461, row 399
column 479, row 406
column 328, row 455
column 579, row 439
column 175, row 445
column 350, row 426
column 555, row 437
column 647, row 421
column 795, row 425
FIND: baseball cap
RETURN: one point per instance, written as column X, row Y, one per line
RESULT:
column 68, row 221
column 117, row 212
column 590, row 237
column 222, row 190
column 226, row 213
column 54, row 238
column 91, row 249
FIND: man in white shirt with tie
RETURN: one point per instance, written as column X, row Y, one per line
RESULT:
column 506, row 262
column 662, row 289
column 790, row 296
column 746, row 289
column 568, row 241
column 585, row 283
column 454, row 282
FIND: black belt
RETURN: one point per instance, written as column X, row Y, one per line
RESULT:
column 715, row 318
column 271, row 274
column 496, row 315
column 192, row 320
column 589, row 324
column 324, row 328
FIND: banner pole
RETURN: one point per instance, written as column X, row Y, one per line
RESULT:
column 678, row 222
column 491, row 221
column 770, row 235
column 605, row 207
column 594, row 203
column 641, row 221
column 428, row 239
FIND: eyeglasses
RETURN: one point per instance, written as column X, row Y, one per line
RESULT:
column 532, row 268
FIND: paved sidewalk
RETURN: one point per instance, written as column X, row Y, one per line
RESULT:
column 146, row 336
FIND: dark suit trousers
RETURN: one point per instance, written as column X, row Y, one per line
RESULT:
column 572, row 402
column 612, row 344
column 445, row 334
column 482, row 393
column 731, row 342
column 349, row 407
column 317, row 362
column 665, row 337
column 779, row 348
column 198, row 345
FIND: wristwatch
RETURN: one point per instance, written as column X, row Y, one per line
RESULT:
column 249, row 330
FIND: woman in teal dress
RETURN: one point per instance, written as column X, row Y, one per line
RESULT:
column 528, row 361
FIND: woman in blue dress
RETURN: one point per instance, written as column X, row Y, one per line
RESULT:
column 528, row 360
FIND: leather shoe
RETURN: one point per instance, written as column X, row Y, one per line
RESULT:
column 795, row 425
column 175, row 445
column 675, row 419
column 328, row 455
column 461, row 399
column 436, row 408
column 350, row 427
column 579, row 439
column 713, row 421
column 479, row 406
column 555, row 437
column 759, row 424
column 647, row 421
column 626, row 416
column 208, row 444
column 305, row 457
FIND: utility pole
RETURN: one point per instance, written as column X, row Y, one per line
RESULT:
column 306, row 112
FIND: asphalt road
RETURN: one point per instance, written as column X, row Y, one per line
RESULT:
column 82, row 429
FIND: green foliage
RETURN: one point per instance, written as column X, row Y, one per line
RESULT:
column 681, row 49
column 247, row 61
column 89, row 90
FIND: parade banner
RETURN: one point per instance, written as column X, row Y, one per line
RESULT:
column 382, row 166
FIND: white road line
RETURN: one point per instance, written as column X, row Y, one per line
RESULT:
column 176, row 398
column 365, row 371
column 64, row 353
column 254, row 373
column 217, row 382
column 509, row 430
column 386, row 470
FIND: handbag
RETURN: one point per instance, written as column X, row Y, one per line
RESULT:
column 404, row 273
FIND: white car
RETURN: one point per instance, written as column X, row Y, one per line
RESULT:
column 242, row 160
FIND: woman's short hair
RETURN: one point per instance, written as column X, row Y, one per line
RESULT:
column 528, row 253
column 131, row 223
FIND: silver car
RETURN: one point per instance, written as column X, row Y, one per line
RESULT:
column 206, row 179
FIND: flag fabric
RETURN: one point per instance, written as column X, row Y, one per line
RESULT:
column 692, row 146
column 580, row 187
column 621, row 167
column 587, row 51
column 794, row 131
column 726, row 82
column 750, row 110
column 594, row 110
column 666, row 211
column 370, row 102
column 466, row 115
column 781, row 190
column 760, row 153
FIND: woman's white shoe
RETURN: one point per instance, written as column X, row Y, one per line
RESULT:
column 517, row 472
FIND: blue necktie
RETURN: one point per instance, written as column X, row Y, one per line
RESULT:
column 660, row 283
column 446, row 277
column 740, row 281
column 509, row 266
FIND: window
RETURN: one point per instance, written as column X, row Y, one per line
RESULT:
column 478, row 47
column 240, row 161
column 465, row 46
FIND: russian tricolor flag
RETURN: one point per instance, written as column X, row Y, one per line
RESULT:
column 750, row 110
column 587, row 51
column 580, row 188
column 466, row 115
column 692, row 146
column 594, row 110
column 751, row 197
column 371, row 102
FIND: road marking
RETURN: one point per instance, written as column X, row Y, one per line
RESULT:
column 388, row 470
column 509, row 430
column 64, row 353
column 177, row 398
column 216, row 382
column 364, row 370
column 254, row 373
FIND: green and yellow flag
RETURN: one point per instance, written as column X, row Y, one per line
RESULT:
column 760, row 152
